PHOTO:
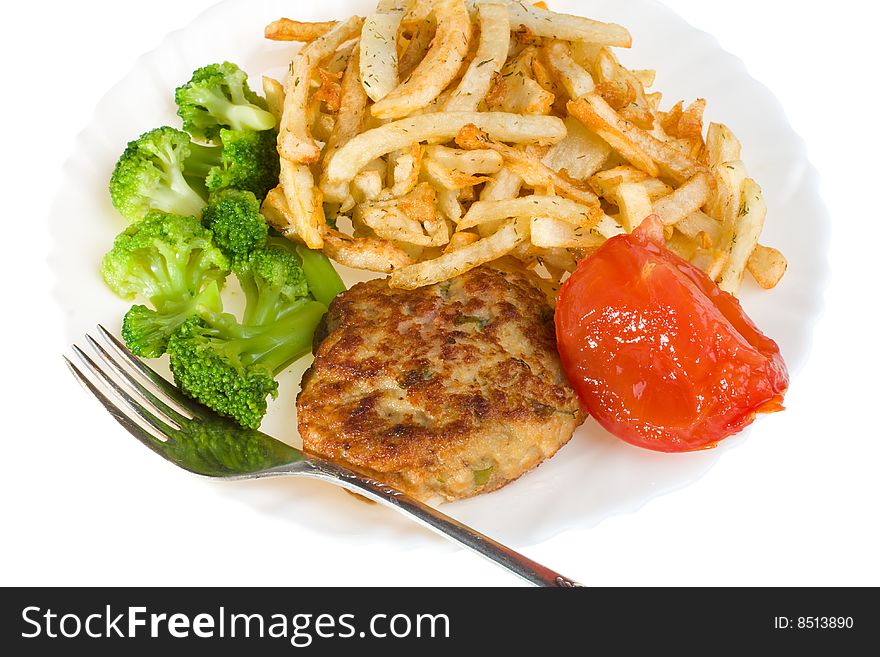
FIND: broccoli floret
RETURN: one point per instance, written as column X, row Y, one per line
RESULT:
column 249, row 162
column 149, row 175
column 171, row 261
column 273, row 282
column 231, row 367
column 233, row 216
column 218, row 96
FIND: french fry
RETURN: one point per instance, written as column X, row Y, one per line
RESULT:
column 522, row 94
column 701, row 228
column 407, row 164
column 767, row 265
column 443, row 176
column 529, row 167
column 744, row 237
column 489, row 59
column 304, row 204
column 620, row 83
column 370, row 253
column 550, row 232
column 639, row 147
column 688, row 198
column 634, row 203
column 416, row 47
column 555, row 207
column 474, row 162
column 580, row 154
column 459, row 261
column 352, row 107
column 295, row 142
column 342, row 167
column 285, row 29
column 437, row 69
column 460, row 239
column 574, row 77
column 614, row 130
column 273, row 90
column 721, row 145
column 505, row 184
column 552, row 25
column 378, row 56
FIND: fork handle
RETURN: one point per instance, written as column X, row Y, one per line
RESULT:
column 452, row 529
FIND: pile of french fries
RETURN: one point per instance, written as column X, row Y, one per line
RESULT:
column 451, row 133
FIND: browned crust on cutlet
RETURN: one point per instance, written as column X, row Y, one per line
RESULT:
column 424, row 386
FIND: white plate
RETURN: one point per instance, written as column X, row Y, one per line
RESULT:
column 595, row 475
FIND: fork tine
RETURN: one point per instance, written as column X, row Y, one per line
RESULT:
column 157, row 403
column 118, row 414
column 185, row 405
column 160, row 425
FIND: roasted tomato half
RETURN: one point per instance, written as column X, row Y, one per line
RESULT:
column 657, row 353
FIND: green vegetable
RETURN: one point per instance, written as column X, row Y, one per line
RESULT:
column 171, row 261
column 149, row 175
column 481, row 477
column 234, row 218
column 231, row 367
column 218, row 96
column 324, row 282
column 249, row 161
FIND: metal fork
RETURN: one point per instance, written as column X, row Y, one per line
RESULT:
column 196, row 439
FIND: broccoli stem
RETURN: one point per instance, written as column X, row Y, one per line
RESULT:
column 242, row 116
column 201, row 160
column 179, row 194
column 275, row 346
column 323, row 280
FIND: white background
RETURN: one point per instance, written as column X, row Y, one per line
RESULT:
column 795, row 504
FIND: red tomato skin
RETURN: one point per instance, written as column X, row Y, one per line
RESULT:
column 657, row 353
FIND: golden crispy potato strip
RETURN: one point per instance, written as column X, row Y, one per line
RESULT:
column 275, row 211
column 607, row 227
column 285, row 29
column 688, row 198
column 273, row 90
column 575, row 79
column 459, row 261
column 460, row 240
column 580, row 154
column 490, row 57
column 344, row 164
column 304, row 203
column 741, row 243
column 528, row 166
column 767, row 265
column 378, row 56
column 370, row 253
column 551, row 232
column 467, row 162
column 555, row 207
column 542, row 23
column 443, row 176
column 295, row 142
column 721, row 145
column 702, row 228
column 612, row 76
column 634, row 203
column 614, row 130
column 352, row 107
column 437, row 69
